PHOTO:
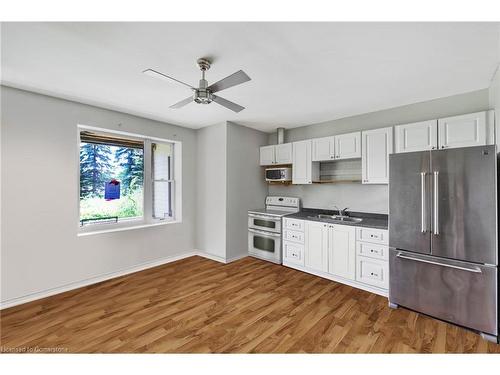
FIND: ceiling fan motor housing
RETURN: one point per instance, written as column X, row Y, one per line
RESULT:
column 202, row 96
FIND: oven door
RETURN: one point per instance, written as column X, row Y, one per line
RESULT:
column 264, row 245
column 264, row 222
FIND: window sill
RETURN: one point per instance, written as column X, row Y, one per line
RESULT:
column 131, row 227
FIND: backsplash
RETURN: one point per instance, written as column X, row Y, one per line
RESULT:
column 358, row 197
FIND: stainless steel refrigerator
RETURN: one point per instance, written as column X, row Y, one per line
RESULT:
column 443, row 235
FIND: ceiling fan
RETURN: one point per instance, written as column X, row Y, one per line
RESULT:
column 204, row 94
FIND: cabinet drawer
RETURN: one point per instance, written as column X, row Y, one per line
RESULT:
column 293, row 235
column 293, row 253
column 373, row 235
column 294, row 224
column 372, row 250
column 372, row 271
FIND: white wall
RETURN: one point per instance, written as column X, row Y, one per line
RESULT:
column 246, row 188
column 371, row 198
column 211, row 190
column 230, row 182
column 40, row 248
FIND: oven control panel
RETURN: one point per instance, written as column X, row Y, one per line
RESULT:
column 283, row 201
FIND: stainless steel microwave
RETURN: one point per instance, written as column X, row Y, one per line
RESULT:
column 279, row 174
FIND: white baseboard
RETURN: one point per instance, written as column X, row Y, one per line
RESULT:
column 97, row 279
column 354, row 284
column 218, row 258
column 93, row 280
column 236, row 257
column 210, row 256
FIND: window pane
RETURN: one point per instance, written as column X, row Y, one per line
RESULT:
column 161, row 199
column 111, row 182
column 162, row 184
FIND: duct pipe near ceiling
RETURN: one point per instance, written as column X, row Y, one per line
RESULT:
column 280, row 135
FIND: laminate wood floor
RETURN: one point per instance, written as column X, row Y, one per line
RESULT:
column 248, row 306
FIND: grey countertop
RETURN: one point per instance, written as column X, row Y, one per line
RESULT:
column 378, row 221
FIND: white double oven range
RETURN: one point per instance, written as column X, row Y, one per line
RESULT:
column 264, row 227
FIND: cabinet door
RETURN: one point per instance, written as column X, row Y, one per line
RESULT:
column 283, row 153
column 342, row 251
column 376, row 147
column 323, row 148
column 348, row 146
column 462, row 131
column 293, row 253
column 316, row 246
column 267, row 155
column 419, row 136
column 302, row 162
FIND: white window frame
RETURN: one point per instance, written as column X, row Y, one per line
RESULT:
column 147, row 219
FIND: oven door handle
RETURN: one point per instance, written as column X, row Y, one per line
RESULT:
column 269, row 234
column 265, row 217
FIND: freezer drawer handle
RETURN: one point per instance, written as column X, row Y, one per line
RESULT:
column 475, row 269
column 423, row 225
column 436, row 203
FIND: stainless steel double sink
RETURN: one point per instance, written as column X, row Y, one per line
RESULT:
column 340, row 218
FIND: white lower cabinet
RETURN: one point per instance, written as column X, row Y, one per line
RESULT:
column 316, row 236
column 342, row 251
column 373, row 272
column 347, row 254
column 293, row 253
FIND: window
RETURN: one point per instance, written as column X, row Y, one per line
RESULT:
column 162, row 180
column 125, row 180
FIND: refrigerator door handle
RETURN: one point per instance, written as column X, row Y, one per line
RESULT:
column 436, row 203
column 423, row 224
column 472, row 269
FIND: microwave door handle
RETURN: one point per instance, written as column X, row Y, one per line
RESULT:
column 264, row 233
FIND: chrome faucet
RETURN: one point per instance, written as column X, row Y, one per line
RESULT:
column 342, row 213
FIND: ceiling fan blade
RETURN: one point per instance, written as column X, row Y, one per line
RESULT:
column 182, row 103
column 234, row 79
column 226, row 103
column 156, row 74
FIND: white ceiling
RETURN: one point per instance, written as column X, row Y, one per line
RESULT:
column 302, row 73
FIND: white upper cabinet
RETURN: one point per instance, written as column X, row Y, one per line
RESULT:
column 376, row 147
column 323, row 149
column 283, row 153
column 342, row 251
column 348, row 146
column 344, row 146
column 316, row 246
column 267, row 155
column 302, row 165
column 418, row 136
column 276, row 154
column 463, row 131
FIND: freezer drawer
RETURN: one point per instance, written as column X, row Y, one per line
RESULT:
column 458, row 292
